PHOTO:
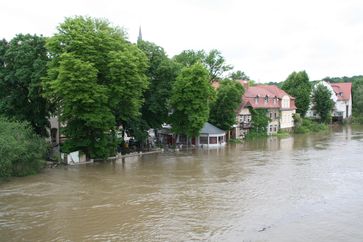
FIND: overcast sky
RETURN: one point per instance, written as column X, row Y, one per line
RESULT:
column 265, row 39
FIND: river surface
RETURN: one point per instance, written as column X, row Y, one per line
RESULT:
column 299, row 188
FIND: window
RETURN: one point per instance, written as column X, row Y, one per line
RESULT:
column 256, row 99
column 275, row 100
column 270, row 115
column 266, row 99
column 203, row 140
column 275, row 115
column 212, row 140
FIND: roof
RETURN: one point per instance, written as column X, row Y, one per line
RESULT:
column 269, row 96
column 342, row 90
column 211, row 129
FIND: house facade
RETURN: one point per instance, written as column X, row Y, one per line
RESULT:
column 279, row 105
column 341, row 95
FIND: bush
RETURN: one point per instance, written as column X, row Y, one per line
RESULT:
column 357, row 119
column 22, row 152
column 307, row 126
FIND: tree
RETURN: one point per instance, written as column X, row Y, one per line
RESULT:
column 161, row 73
column 297, row 85
column 358, row 99
column 96, row 78
column 239, row 75
column 22, row 152
column 216, row 65
column 22, row 66
column 322, row 102
column 259, row 122
column 189, row 100
column 213, row 61
column 223, row 111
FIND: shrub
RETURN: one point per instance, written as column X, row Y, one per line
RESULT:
column 22, row 152
column 307, row 126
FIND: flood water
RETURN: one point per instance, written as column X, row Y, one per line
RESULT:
column 299, row 188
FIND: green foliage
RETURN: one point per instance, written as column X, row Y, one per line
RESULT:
column 297, row 85
column 304, row 125
column 189, row 100
column 162, row 73
column 238, row 75
column 22, row 152
column 188, row 58
column 322, row 102
column 259, row 123
column 22, row 65
column 235, row 141
column 223, row 111
column 216, row 65
column 358, row 98
column 213, row 61
column 282, row 133
column 96, row 78
column 357, row 119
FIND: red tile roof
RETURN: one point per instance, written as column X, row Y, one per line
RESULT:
column 342, row 90
column 269, row 96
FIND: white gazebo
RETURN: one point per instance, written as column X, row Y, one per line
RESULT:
column 211, row 136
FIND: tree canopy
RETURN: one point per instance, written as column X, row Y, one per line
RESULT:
column 161, row 73
column 189, row 100
column 22, row 66
column 229, row 98
column 322, row 102
column 96, row 78
column 297, row 85
column 213, row 61
column 239, row 75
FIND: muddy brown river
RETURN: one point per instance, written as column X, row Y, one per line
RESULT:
column 299, row 188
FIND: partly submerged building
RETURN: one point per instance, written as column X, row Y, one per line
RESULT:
column 341, row 95
column 279, row 105
column 210, row 136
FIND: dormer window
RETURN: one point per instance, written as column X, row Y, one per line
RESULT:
column 275, row 100
column 341, row 94
column 256, row 99
column 266, row 99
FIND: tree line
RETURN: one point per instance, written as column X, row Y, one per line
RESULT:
column 95, row 80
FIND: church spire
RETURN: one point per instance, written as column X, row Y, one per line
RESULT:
column 139, row 38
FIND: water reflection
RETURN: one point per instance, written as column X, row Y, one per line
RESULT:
column 300, row 188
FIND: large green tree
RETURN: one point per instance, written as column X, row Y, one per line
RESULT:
column 190, row 96
column 298, row 85
column 96, row 78
column 322, row 103
column 229, row 98
column 213, row 61
column 161, row 73
column 22, row 66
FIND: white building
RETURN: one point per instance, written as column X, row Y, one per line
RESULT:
column 341, row 95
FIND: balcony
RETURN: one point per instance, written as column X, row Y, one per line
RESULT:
column 245, row 125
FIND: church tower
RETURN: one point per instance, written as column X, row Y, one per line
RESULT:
column 139, row 38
